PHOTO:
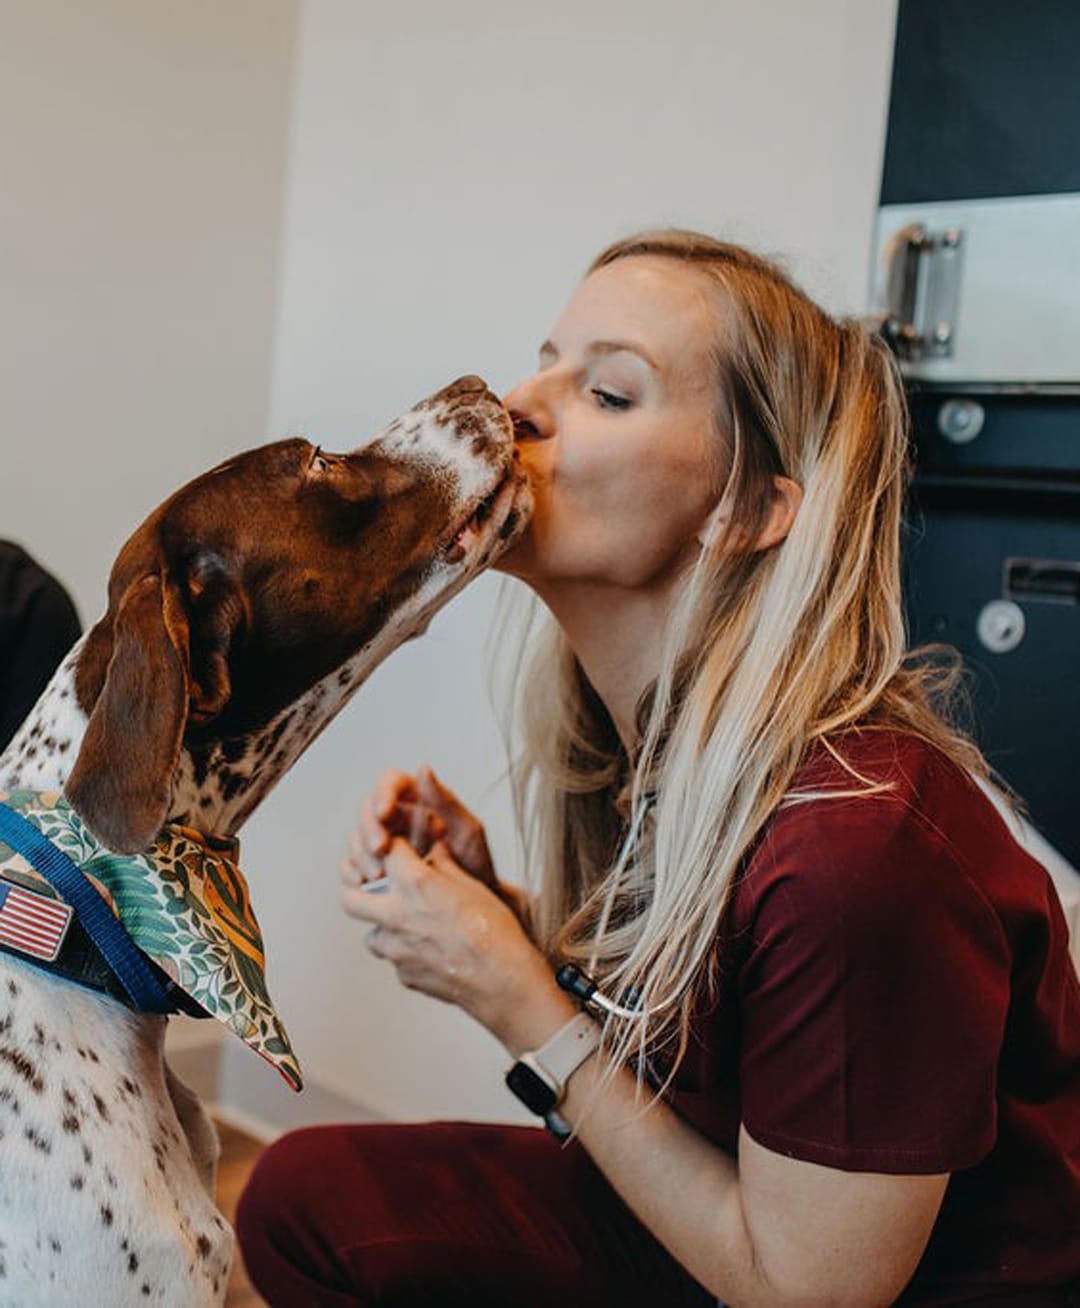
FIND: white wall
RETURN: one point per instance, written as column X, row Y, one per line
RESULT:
column 452, row 169
column 142, row 154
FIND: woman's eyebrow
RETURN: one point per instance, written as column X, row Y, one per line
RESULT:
column 597, row 349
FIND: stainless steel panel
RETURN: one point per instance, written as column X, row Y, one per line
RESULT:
column 1005, row 313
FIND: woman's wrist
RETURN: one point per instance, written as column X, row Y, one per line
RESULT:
column 517, row 901
column 531, row 1008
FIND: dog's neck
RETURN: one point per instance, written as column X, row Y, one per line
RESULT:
column 218, row 783
column 43, row 751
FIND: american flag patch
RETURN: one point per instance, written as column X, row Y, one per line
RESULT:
column 32, row 923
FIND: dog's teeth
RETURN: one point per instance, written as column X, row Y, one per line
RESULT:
column 457, row 549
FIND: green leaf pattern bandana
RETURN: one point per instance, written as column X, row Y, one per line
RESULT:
column 185, row 904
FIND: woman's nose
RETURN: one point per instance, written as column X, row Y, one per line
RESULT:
column 529, row 410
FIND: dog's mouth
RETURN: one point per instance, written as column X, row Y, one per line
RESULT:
column 457, row 547
column 495, row 521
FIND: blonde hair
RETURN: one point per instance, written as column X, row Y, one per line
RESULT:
column 766, row 652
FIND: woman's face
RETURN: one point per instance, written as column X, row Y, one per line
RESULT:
column 616, row 430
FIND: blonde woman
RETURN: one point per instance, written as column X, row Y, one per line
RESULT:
column 840, row 1061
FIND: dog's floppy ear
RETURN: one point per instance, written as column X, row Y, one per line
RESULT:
column 122, row 780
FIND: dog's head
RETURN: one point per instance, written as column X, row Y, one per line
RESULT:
column 256, row 583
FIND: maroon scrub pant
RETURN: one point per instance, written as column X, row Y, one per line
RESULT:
column 447, row 1215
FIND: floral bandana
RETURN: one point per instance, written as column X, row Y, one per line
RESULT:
column 184, row 904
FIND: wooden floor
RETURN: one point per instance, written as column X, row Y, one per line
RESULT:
column 238, row 1155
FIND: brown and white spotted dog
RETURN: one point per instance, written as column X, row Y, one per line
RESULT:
column 242, row 615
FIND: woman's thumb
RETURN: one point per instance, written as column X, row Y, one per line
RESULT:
column 432, row 791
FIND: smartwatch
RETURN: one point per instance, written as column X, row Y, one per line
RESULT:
column 539, row 1076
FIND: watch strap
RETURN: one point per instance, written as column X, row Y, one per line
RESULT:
column 560, row 1057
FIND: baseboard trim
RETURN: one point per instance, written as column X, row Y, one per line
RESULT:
column 255, row 1127
column 252, row 1095
column 243, row 1091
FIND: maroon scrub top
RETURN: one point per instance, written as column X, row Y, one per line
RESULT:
column 896, row 995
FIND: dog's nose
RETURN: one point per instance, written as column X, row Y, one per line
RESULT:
column 476, row 411
column 465, row 387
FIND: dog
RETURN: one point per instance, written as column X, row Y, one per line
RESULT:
column 242, row 615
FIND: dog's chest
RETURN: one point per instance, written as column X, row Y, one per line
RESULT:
column 104, row 1187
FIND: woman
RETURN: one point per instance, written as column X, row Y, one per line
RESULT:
column 845, row 1067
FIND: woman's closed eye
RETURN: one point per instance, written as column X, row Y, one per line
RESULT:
column 609, row 399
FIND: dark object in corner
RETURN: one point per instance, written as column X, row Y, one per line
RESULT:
column 38, row 625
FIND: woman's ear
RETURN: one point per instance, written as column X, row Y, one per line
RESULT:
column 785, row 503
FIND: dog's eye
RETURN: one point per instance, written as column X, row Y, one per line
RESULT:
column 319, row 461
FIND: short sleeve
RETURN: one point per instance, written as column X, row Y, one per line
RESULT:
column 874, row 993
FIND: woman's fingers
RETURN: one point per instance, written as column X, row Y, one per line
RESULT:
column 399, row 871
column 396, row 809
column 392, row 789
column 367, row 845
column 370, row 906
column 445, row 934
column 391, row 810
column 422, row 811
column 388, row 904
column 374, row 836
column 463, row 831
column 425, row 827
column 432, row 791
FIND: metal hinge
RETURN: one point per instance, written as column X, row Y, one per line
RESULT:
column 922, row 291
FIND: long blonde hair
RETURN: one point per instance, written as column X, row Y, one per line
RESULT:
column 766, row 652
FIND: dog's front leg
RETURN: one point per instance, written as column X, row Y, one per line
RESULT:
column 195, row 1122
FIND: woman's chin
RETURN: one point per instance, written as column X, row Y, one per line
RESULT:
column 518, row 559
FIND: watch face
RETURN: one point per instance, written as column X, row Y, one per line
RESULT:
column 533, row 1091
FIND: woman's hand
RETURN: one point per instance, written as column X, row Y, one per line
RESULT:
column 441, row 915
column 449, row 936
column 421, row 810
